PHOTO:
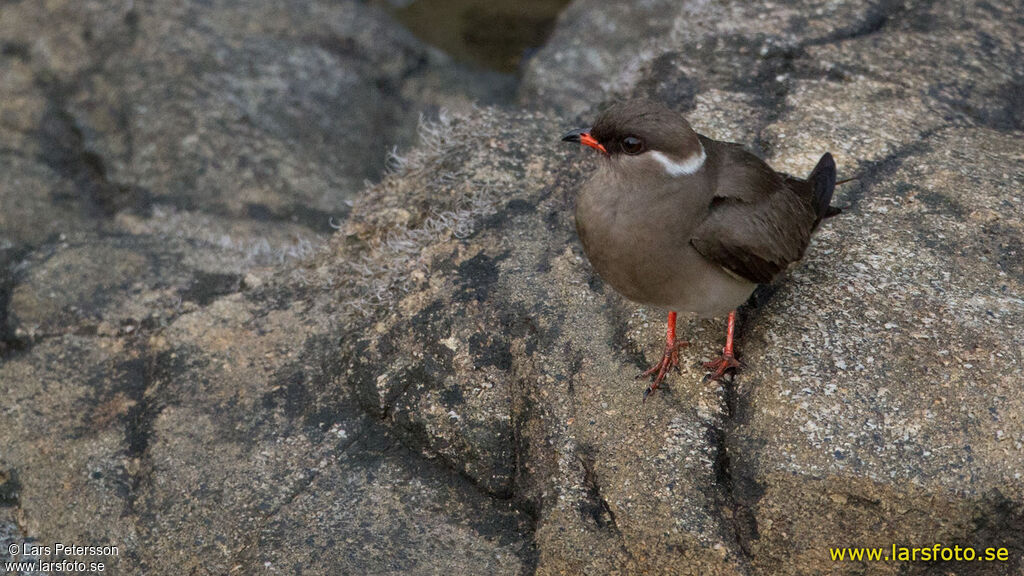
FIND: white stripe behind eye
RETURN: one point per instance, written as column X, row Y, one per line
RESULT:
column 679, row 168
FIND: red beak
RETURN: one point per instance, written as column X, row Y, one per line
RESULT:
column 583, row 136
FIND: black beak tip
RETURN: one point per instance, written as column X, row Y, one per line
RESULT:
column 573, row 135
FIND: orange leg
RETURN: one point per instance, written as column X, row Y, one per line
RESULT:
column 669, row 360
column 727, row 361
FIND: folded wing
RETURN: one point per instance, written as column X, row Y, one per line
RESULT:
column 759, row 221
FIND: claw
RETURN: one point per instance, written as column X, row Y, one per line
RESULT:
column 669, row 360
column 719, row 366
column 727, row 361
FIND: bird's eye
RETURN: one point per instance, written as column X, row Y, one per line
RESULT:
column 632, row 145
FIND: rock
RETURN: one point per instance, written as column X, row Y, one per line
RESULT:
column 437, row 523
column 134, row 260
column 445, row 386
column 978, row 85
column 593, row 45
column 209, row 134
column 676, row 50
column 38, row 203
column 112, row 286
column 849, row 425
column 211, row 455
column 255, row 110
column 65, row 413
column 883, row 406
column 496, row 351
column 799, row 454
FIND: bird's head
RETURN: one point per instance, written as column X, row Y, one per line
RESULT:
column 645, row 135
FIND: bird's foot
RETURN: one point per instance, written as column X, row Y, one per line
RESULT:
column 719, row 366
column 669, row 360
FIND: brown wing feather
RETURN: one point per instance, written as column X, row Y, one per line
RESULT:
column 757, row 224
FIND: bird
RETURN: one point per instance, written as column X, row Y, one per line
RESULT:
column 679, row 221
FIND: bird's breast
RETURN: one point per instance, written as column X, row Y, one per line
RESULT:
column 632, row 239
column 638, row 242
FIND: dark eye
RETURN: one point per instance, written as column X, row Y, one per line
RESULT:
column 632, row 145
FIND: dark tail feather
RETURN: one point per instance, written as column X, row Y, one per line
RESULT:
column 823, row 183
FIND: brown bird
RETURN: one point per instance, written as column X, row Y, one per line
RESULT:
column 677, row 220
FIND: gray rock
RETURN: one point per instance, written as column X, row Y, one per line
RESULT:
column 425, row 519
column 208, row 138
column 594, row 45
column 119, row 236
column 184, row 450
column 881, row 404
column 676, row 50
column 156, row 161
column 10, row 536
column 65, row 411
column 37, row 203
column 497, row 351
column 808, row 450
column 258, row 109
column 252, row 110
column 446, row 386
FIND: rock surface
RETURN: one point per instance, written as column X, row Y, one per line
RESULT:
column 156, row 158
column 445, row 386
